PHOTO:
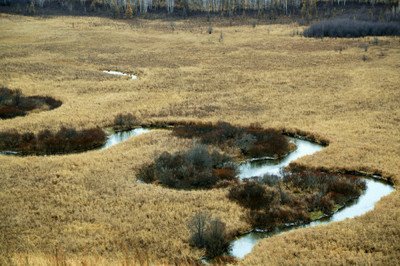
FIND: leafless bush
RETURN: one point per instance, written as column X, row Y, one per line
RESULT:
column 209, row 234
column 13, row 103
column 125, row 122
column 197, row 226
column 66, row 140
column 254, row 141
column 194, row 168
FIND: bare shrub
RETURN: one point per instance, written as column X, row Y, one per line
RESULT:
column 208, row 233
column 253, row 141
column 197, row 226
column 13, row 103
column 66, row 140
column 125, row 122
column 270, row 180
column 245, row 142
column 194, row 168
column 216, row 242
column 273, row 202
column 253, row 195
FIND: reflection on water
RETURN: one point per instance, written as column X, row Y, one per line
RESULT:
column 118, row 137
column 375, row 190
column 117, row 73
column 112, row 139
column 262, row 167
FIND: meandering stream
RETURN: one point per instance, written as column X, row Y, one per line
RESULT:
column 117, row 73
column 243, row 245
column 112, row 139
column 118, row 137
column 375, row 190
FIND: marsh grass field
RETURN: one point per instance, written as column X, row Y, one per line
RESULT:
column 88, row 208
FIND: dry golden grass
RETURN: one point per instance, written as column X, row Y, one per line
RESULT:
column 90, row 205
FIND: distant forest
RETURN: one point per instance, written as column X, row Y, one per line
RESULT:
column 377, row 9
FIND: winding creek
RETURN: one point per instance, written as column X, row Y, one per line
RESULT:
column 118, row 137
column 113, row 138
column 375, row 190
column 117, row 73
column 243, row 245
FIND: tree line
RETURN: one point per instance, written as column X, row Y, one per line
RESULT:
column 130, row 8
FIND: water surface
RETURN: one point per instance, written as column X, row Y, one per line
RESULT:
column 119, row 137
column 375, row 190
column 273, row 167
column 112, row 139
column 117, row 73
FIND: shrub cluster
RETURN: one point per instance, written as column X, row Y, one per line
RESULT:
column 209, row 234
column 66, row 140
column 194, row 168
column 269, row 207
column 13, row 103
column 350, row 28
column 253, row 141
column 273, row 203
column 125, row 122
column 329, row 188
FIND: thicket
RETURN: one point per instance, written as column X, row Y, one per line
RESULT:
column 125, row 122
column 191, row 169
column 253, row 141
column 350, row 28
column 66, row 140
column 208, row 233
column 307, row 9
column 273, row 203
column 13, row 103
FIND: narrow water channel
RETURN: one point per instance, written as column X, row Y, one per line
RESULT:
column 117, row 73
column 118, row 137
column 112, row 139
column 273, row 167
column 375, row 190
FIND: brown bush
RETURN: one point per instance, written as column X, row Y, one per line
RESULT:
column 10, row 112
column 66, row 140
column 216, row 241
column 194, row 168
column 277, row 215
column 13, row 103
column 253, row 141
column 253, row 195
column 225, row 173
column 125, row 122
column 273, row 202
column 329, row 189
column 209, row 234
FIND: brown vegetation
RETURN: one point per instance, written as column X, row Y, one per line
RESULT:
column 13, row 103
column 66, row 140
column 89, row 206
column 208, row 233
column 125, row 122
column 291, row 200
column 253, row 141
column 194, row 168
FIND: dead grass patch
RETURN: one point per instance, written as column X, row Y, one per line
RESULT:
column 260, row 74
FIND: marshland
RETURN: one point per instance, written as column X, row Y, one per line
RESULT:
column 141, row 125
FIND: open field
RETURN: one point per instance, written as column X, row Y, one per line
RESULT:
column 89, row 208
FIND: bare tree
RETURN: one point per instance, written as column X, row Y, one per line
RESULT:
column 197, row 226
